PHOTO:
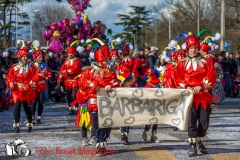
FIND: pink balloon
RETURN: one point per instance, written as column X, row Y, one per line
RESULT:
column 46, row 35
column 60, row 24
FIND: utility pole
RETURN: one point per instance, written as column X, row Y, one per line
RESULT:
column 223, row 8
column 198, row 24
column 16, row 23
column 170, row 29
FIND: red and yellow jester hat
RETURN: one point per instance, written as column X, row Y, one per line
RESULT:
column 192, row 40
column 102, row 53
column 152, row 76
column 36, row 54
column 124, row 77
column 204, row 47
column 23, row 51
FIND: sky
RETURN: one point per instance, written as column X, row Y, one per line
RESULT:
column 104, row 10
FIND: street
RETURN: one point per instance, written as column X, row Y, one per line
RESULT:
column 58, row 138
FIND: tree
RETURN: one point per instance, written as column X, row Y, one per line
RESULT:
column 8, row 26
column 134, row 22
column 184, row 17
column 48, row 14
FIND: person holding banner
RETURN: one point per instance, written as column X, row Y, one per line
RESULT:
column 199, row 75
column 152, row 77
column 90, row 81
column 126, row 80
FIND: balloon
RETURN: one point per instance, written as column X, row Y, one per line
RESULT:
column 46, row 35
column 60, row 24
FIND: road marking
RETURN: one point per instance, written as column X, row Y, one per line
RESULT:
column 153, row 152
column 224, row 156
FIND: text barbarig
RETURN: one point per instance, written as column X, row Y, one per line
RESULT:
column 79, row 150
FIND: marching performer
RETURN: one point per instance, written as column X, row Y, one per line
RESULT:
column 20, row 80
column 43, row 73
column 90, row 81
column 152, row 77
column 69, row 70
column 127, row 62
column 198, row 75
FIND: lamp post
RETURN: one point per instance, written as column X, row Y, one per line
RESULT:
column 198, row 24
column 16, row 23
column 169, row 29
column 223, row 5
column 135, row 45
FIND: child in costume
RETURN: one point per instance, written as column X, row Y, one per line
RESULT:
column 126, row 80
column 152, row 77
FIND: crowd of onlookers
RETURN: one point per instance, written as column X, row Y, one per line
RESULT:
column 230, row 65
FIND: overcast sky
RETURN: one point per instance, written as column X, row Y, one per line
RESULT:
column 104, row 10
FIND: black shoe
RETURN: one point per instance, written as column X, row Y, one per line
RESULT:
column 1, row 109
column 193, row 151
column 101, row 152
column 29, row 129
column 124, row 139
column 39, row 121
column 201, row 148
column 71, row 112
column 175, row 129
column 17, row 130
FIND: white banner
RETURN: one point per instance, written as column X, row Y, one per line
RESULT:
column 141, row 106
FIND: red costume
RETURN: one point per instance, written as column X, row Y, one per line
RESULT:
column 140, row 66
column 70, row 69
column 23, row 78
column 42, row 71
column 206, row 48
column 191, row 72
column 168, row 79
column 127, row 63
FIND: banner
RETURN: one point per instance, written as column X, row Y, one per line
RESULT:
column 141, row 106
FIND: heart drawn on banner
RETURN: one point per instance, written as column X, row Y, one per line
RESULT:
column 108, row 122
column 112, row 93
column 129, row 120
column 138, row 93
column 153, row 120
column 176, row 121
column 159, row 93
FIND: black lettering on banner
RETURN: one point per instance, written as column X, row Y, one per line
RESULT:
column 147, row 106
column 181, row 107
column 129, row 120
column 157, row 106
column 108, row 122
column 101, row 106
column 125, row 105
column 173, row 107
column 136, row 102
column 138, row 93
column 117, row 106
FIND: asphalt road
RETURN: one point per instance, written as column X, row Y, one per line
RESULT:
column 57, row 138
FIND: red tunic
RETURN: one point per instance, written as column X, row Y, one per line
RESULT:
column 140, row 67
column 203, row 75
column 22, row 80
column 168, row 79
column 69, row 70
column 127, row 65
column 43, row 74
column 92, row 77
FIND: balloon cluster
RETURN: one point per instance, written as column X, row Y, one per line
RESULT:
column 64, row 32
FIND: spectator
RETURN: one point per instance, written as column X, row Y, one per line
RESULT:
column 238, row 61
column 53, row 64
column 226, row 70
column 84, row 61
column 62, row 58
column 233, row 64
column 152, row 57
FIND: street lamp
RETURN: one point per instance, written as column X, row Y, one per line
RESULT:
column 135, row 45
column 223, row 5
